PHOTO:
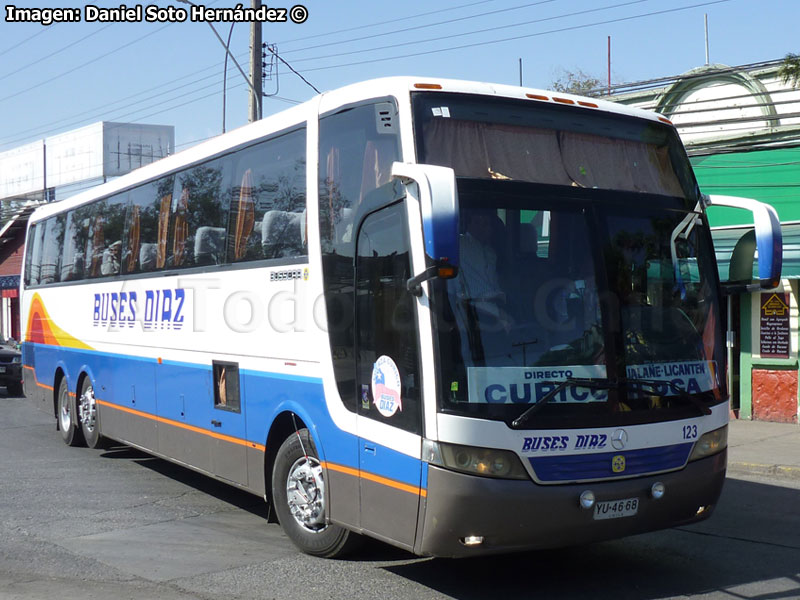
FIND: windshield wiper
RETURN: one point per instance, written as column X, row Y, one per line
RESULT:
column 680, row 393
column 594, row 384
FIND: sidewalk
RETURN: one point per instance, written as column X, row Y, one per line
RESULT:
column 761, row 448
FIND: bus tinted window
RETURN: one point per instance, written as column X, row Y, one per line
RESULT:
column 30, row 278
column 76, row 240
column 247, row 205
column 50, row 271
column 198, row 215
column 147, row 227
column 105, row 231
column 268, row 199
column 357, row 147
column 504, row 139
column 356, row 150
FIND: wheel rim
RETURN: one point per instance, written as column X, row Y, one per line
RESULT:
column 88, row 409
column 305, row 494
column 64, row 413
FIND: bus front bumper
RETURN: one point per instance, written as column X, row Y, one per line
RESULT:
column 513, row 516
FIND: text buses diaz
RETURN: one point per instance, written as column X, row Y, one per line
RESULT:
column 458, row 317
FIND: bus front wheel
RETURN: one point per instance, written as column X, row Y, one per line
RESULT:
column 71, row 431
column 298, row 493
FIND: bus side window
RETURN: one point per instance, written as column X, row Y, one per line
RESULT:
column 50, row 271
column 268, row 200
column 226, row 386
column 33, row 254
column 113, row 229
column 200, row 206
column 146, row 226
column 387, row 340
column 75, row 239
column 357, row 147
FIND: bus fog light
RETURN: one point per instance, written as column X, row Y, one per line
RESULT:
column 472, row 540
column 587, row 499
column 657, row 490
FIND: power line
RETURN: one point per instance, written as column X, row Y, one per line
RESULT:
column 428, row 25
column 291, row 68
column 499, row 27
column 27, row 132
column 653, row 84
column 391, row 21
column 519, row 37
column 68, row 46
column 28, row 39
column 80, row 66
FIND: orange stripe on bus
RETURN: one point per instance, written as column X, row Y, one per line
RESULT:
column 192, row 428
column 35, row 380
column 376, row 478
column 417, row 491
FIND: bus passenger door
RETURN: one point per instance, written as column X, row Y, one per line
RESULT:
column 387, row 378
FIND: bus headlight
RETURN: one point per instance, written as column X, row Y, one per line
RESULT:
column 486, row 462
column 710, row 443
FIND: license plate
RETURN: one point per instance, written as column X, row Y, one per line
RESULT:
column 2, row 369
column 616, row 509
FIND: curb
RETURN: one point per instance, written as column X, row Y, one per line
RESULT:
column 781, row 471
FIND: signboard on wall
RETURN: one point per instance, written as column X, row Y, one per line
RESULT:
column 774, row 325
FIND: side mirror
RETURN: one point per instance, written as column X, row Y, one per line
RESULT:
column 438, row 199
column 766, row 238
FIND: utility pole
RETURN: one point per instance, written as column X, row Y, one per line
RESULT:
column 255, row 67
column 44, row 168
column 609, row 65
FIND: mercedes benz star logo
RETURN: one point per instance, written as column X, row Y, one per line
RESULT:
column 619, row 439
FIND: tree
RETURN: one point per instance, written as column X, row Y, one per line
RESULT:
column 577, row 82
column 790, row 70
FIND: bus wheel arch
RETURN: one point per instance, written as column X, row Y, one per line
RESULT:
column 299, row 499
column 284, row 425
column 57, row 378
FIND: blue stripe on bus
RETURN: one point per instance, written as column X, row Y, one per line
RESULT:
column 581, row 467
column 186, row 396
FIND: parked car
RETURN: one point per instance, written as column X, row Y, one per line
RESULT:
column 11, row 367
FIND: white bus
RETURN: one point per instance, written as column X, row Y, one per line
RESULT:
column 458, row 317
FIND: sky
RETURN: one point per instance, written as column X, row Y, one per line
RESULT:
column 63, row 76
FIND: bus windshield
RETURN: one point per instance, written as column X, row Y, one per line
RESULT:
column 559, row 284
column 525, row 140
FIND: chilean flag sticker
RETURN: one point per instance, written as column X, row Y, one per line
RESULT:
column 386, row 386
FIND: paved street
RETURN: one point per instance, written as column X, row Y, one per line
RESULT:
column 84, row 524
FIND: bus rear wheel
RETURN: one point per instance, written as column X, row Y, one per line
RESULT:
column 298, row 493
column 87, row 411
column 71, row 431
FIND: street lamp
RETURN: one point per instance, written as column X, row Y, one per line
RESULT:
column 256, row 95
